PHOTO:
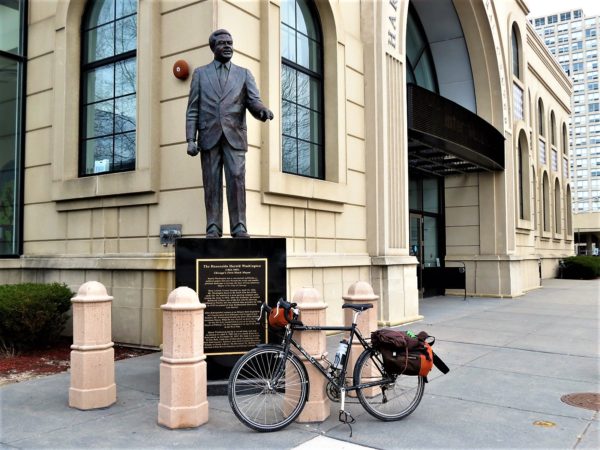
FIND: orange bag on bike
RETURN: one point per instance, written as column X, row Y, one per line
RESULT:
column 279, row 317
column 406, row 354
column 403, row 362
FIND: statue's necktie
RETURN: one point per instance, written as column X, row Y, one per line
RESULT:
column 222, row 75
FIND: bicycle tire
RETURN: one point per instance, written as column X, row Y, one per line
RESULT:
column 392, row 397
column 258, row 405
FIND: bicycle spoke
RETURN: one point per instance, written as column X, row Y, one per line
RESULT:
column 384, row 397
column 257, row 399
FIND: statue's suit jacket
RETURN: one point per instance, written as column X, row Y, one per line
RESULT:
column 213, row 111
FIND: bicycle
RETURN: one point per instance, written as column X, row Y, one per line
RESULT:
column 268, row 386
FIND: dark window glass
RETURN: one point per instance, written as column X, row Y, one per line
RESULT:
column 302, row 89
column 545, row 203
column 11, row 26
column 515, row 52
column 557, row 218
column 521, row 184
column 108, row 106
column 540, row 118
column 13, row 57
column 419, row 61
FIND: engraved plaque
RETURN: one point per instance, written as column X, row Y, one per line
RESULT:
column 233, row 290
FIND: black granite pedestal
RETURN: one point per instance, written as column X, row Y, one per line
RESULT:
column 233, row 277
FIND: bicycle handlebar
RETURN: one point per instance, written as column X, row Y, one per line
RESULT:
column 281, row 303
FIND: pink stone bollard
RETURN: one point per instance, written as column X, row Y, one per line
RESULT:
column 360, row 292
column 92, row 354
column 183, row 402
column 313, row 313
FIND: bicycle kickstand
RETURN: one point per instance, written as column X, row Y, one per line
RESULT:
column 345, row 416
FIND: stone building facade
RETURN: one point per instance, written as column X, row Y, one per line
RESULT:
column 414, row 137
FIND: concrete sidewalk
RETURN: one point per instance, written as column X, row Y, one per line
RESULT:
column 511, row 360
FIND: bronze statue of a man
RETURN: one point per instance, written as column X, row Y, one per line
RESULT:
column 220, row 93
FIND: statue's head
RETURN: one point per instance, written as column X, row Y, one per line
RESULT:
column 221, row 44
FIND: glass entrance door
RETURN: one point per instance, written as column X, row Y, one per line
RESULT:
column 426, row 226
column 416, row 246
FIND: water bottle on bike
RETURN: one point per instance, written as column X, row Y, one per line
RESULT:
column 340, row 355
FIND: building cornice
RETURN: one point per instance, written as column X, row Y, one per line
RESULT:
column 542, row 81
column 536, row 44
column 523, row 6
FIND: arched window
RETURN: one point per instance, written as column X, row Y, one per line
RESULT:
column 303, row 139
column 557, row 202
column 515, row 51
column 108, row 93
column 419, row 61
column 568, row 212
column 565, row 139
column 523, row 180
column 552, row 128
column 534, row 190
column 541, row 128
column 546, row 202
column 531, row 108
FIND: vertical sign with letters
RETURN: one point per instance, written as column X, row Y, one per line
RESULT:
column 392, row 24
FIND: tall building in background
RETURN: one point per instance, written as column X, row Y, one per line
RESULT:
column 573, row 40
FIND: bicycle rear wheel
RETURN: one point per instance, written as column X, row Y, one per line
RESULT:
column 386, row 397
column 265, row 393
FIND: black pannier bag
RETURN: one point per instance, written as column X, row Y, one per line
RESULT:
column 407, row 354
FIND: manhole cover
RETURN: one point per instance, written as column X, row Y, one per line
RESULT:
column 587, row 400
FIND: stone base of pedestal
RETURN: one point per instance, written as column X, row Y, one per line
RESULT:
column 183, row 416
column 92, row 398
column 317, row 408
column 92, row 379
column 183, row 402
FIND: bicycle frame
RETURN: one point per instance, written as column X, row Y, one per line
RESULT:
column 338, row 381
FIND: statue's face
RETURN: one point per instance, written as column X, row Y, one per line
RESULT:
column 223, row 49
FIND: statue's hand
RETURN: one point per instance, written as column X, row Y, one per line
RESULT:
column 266, row 114
column 192, row 149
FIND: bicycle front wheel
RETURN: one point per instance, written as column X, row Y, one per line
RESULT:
column 266, row 393
column 386, row 397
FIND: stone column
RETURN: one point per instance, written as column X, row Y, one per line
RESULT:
column 92, row 356
column 183, row 402
column 313, row 313
column 360, row 292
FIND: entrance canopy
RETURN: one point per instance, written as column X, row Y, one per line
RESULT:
column 446, row 139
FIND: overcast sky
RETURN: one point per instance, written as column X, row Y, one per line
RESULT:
column 544, row 7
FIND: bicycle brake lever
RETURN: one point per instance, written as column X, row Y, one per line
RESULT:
column 260, row 314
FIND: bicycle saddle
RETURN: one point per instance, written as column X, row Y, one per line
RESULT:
column 358, row 306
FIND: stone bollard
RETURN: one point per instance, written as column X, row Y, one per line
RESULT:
column 313, row 313
column 183, row 402
column 360, row 292
column 92, row 353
